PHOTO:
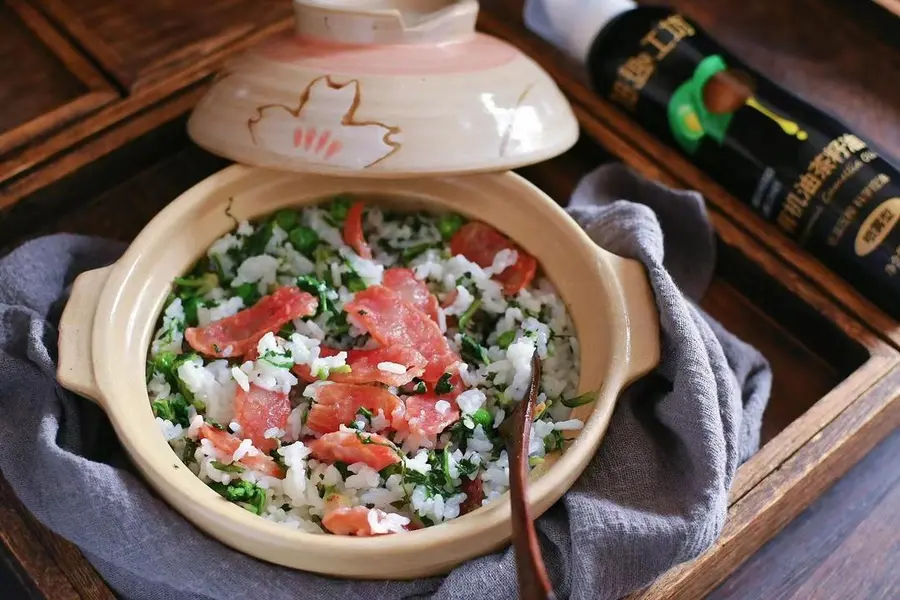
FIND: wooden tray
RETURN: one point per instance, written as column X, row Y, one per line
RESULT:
column 115, row 166
column 833, row 395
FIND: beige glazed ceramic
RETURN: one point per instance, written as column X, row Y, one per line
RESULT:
column 385, row 89
column 108, row 323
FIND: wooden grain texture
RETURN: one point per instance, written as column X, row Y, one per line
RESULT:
column 62, row 153
column 844, row 546
column 141, row 41
column 36, row 569
column 44, row 82
column 786, row 492
column 628, row 141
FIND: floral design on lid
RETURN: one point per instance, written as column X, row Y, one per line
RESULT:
column 323, row 128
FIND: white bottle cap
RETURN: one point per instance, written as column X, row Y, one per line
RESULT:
column 572, row 25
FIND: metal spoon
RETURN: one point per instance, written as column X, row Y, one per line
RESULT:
column 534, row 583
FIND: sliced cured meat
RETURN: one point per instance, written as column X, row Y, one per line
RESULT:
column 234, row 336
column 227, row 443
column 336, row 404
column 392, row 321
column 425, row 419
column 353, row 231
column 474, row 491
column 404, row 282
column 352, row 447
column 258, row 410
column 364, row 366
column 362, row 521
column 480, row 243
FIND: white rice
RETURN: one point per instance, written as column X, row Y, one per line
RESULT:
column 534, row 320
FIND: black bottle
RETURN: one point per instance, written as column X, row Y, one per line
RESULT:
column 795, row 165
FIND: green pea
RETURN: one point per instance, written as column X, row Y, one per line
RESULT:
column 483, row 417
column 449, row 224
column 303, row 239
column 286, row 219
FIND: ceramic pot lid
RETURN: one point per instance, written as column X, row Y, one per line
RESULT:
column 384, row 88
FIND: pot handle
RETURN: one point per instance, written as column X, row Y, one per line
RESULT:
column 76, row 328
column 640, row 306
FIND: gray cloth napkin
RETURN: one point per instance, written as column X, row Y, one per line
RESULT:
column 654, row 496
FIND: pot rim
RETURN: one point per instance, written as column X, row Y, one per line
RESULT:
column 226, row 521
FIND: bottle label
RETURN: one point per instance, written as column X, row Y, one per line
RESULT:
column 800, row 169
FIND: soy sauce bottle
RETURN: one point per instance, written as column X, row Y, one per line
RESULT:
column 798, row 167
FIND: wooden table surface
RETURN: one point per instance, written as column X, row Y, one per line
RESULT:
column 846, row 545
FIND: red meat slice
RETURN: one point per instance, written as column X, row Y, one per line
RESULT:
column 393, row 321
column 227, row 443
column 259, row 410
column 352, row 447
column 364, row 366
column 234, row 336
column 336, row 404
column 480, row 242
column 353, row 231
column 404, row 282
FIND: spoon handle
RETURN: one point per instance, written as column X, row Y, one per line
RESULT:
column 534, row 583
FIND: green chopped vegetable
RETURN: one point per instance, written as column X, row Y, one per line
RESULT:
column 318, row 288
column 581, row 400
column 200, row 284
column 219, row 268
column 279, row 459
column 506, row 338
column 232, row 468
column 469, row 312
column 173, row 409
column 342, row 468
column 412, row 252
column 190, row 447
column 445, row 463
column 353, row 281
column 554, row 441
column 257, row 242
column 472, row 351
column 304, row 240
column 248, row 293
column 449, row 224
column 443, row 385
column 277, row 360
column 286, row 219
column 338, row 324
column 391, row 470
column 190, row 305
column 339, row 207
column 483, row 417
column 249, row 495
column 164, row 363
column 323, row 254
column 286, row 330
column 534, row 461
column 420, row 387
column 365, row 412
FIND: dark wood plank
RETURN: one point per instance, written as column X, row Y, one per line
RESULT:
column 772, row 504
column 44, row 83
column 139, row 41
column 845, row 545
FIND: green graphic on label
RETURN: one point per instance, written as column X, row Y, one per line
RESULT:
column 704, row 105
